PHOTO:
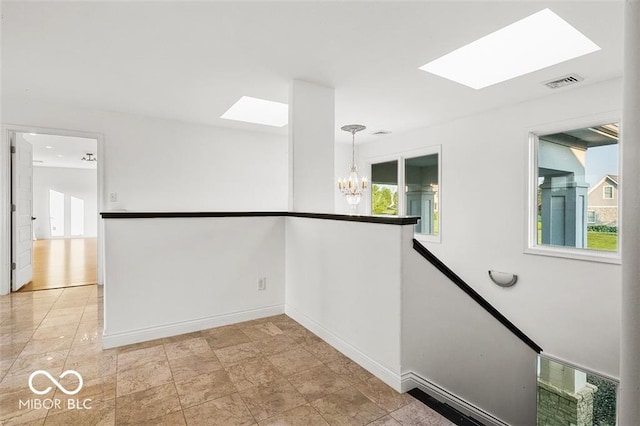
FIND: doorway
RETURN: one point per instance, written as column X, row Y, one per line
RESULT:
column 54, row 197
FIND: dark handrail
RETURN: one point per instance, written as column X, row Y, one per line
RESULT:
column 386, row 220
column 474, row 295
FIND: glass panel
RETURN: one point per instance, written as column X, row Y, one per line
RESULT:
column 421, row 185
column 578, row 196
column 56, row 213
column 384, row 188
column 77, row 216
column 569, row 396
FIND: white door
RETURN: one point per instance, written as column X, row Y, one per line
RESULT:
column 21, row 198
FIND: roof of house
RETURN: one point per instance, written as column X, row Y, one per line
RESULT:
column 612, row 178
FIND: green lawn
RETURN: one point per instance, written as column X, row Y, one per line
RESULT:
column 595, row 240
column 602, row 241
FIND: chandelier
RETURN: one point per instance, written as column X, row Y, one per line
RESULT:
column 89, row 157
column 352, row 187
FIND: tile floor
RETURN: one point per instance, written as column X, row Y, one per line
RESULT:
column 270, row 371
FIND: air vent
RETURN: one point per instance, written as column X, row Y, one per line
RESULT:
column 382, row 132
column 564, row 81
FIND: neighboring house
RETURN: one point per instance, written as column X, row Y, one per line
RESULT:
column 602, row 207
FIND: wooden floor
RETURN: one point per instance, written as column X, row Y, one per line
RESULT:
column 63, row 263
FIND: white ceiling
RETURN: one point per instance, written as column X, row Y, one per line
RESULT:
column 65, row 151
column 191, row 61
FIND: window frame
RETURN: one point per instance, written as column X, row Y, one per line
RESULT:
column 400, row 157
column 531, row 237
column 604, row 193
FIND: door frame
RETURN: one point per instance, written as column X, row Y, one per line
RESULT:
column 5, row 195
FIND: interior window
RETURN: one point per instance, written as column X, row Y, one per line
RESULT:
column 421, row 186
column 384, row 188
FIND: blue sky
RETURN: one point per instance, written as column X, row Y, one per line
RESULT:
column 602, row 160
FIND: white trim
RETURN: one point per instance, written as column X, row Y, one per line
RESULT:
column 563, row 361
column 380, row 371
column 5, row 194
column 589, row 255
column 5, row 214
column 151, row 333
column 411, row 380
column 604, row 193
column 592, row 120
column 531, row 229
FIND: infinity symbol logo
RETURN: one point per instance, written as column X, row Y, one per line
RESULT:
column 55, row 382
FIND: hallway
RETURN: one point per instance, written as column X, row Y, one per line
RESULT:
column 60, row 263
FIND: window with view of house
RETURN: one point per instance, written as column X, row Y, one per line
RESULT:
column 576, row 205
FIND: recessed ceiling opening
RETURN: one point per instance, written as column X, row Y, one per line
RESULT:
column 531, row 44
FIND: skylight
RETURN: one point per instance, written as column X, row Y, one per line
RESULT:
column 531, row 44
column 259, row 111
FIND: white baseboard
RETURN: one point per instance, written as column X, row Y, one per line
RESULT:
column 151, row 333
column 383, row 373
column 411, row 380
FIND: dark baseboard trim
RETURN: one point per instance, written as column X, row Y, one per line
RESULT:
column 443, row 409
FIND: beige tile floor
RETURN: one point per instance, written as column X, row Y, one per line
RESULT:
column 270, row 371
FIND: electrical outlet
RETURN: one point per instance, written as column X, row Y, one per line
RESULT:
column 262, row 283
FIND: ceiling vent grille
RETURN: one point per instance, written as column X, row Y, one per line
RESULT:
column 564, row 81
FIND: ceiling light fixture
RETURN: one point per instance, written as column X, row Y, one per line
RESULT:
column 48, row 146
column 352, row 187
column 89, row 157
column 258, row 111
column 530, row 44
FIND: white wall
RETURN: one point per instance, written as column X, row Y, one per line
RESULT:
column 189, row 274
column 569, row 307
column 450, row 342
column 311, row 147
column 343, row 283
column 155, row 164
column 78, row 183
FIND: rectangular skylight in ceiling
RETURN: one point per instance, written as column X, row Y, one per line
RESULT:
column 535, row 42
column 259, row 111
